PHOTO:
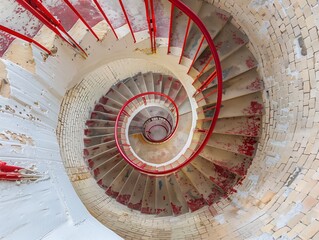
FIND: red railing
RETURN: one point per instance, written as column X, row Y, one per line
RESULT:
column 203, row 130
column 36, row 8
column 133, row 106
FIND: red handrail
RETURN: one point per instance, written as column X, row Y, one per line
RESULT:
column 127, row 20
column 25, row 38
column 105, row 17
column 218, row 72
column 82, row 19
column 123, row 111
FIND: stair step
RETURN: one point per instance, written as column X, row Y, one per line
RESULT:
column 113, row 11
column 131, row 85
column 91, row 141
column 103, row 116
column 102, row 158
column 162, row 10
column 162, row 203
column 234, row 143
column 227, row 42
column 140, row 83
column 244, row 84
column 106, row 109
column 179, row 23
column 149, row 82
column 123, row 89
column 181, row 97
column 99, row 123
column 126, row 192
column 158, row 80
column 193, row 198
column 166, row 84
column 222, row 178
column 112, row 100
column 92, row 151
column 174, row 89
column 208, row 14
column 136, row 14
column 248, row 105
column 96, row 131
column 177, row 201
column 116, row 186
column 239, row 62
column 148, row 204
column 204, row 186
column 136, row 199
column 103, row 167
column 110, row 176
column 233, row 162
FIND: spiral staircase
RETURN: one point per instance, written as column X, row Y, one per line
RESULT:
column 191, row 160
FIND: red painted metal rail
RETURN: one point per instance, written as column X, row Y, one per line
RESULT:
column 25, row 38
column 129, row 107
column 193, row 152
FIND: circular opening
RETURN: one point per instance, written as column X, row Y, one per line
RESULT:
column 157, row 129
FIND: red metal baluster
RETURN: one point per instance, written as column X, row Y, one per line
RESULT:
column 153, row 26
column 127, row 20
column 195, row 57
column 105, row 17
column 149, row 23
column 82, row 19
column 185, row 39
column 203, row 69
column 40, row 12
column 170, row 29
column 23, row 37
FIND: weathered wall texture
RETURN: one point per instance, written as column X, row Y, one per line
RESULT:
column 278, row 199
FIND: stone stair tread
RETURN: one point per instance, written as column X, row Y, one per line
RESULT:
column 111, row 175
column 193, row 198
column 94, row 140
column 227, row 42
column 116, row 186
column 177, row 201
column 231, row 161
column 100, row 159
column 204, row 186
column 127, row 189
column 234, row 143
column 89, row 152
column 136, row 199
column 104, row 167
column 162, row 203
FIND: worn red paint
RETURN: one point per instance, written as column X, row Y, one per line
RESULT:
column 222, row 16
column 255, row 108
column 85, row 152
column 176, row 209
column 195, row 204
column 248, row 146
column 147, row 210
column 160, row 210
column 255, row 85
column 124, row 199
column 135, row 206
column 111, row 193
column 238, row 40
column 97, row 172
column 250, row 62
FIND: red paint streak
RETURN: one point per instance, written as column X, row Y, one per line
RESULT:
column 255, row 108
column 250, row 62
column 222, row 16
column 160, row 210
column 255, row 85
column 176, row 209
column 5, row 41
column 147, row 210
column 111, row 193
column 124, row 199
column 103, row 100
column 89, row 123
column 87, row 132
column 248, row 146
column 91, row 163
column 195, row 204
column 238, row 40
column 135, row 206
column 97, row 172
column 100, row 183
column 213, row 197
column 85, row 152
column 86, row 141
